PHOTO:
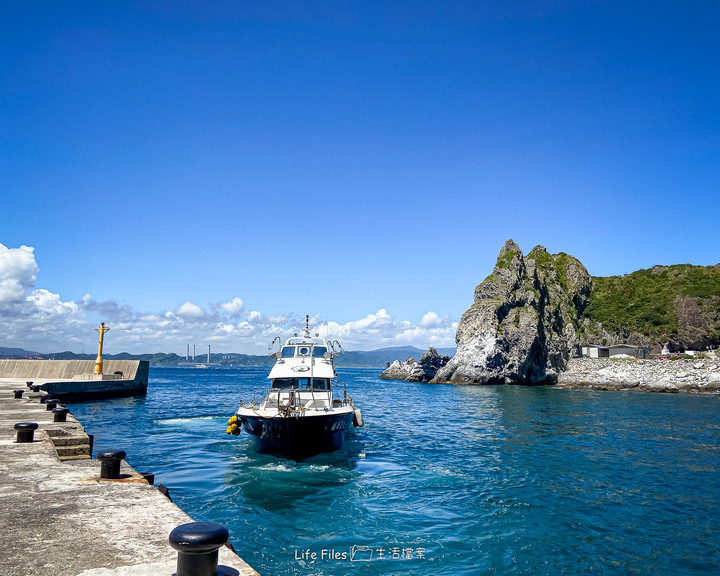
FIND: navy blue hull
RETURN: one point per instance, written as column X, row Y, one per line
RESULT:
column 299, row 437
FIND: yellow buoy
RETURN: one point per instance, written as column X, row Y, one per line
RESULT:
column 229, row 430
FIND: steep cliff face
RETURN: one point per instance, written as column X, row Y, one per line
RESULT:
column 523, row 325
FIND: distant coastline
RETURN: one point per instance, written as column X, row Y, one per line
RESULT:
column 348, row 359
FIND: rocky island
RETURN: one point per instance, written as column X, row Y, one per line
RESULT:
column 412, row 371
column 532, row 314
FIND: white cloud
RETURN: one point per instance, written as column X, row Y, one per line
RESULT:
column 48, row 303
column 18, row 271
column 190, row 310
column 380, row 330
column 40, row 320
column 109, row 311
column 235, row 308
column 430, row 319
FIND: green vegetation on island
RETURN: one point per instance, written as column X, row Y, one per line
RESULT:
column 681, row 302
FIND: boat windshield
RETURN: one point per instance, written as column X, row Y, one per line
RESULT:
column 319, row 351
column 288, row 351
column 301, row 383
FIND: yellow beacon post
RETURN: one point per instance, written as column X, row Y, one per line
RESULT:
column 99, row 360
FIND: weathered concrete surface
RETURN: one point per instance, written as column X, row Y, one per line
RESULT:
column 60, row 519
column 69, row 438
column 67, row 369
column 73, row 379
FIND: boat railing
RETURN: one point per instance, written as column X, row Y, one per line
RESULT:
column 295, row 399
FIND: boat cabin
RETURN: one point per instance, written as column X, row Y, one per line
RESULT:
column 301, row 383
column 305, row 347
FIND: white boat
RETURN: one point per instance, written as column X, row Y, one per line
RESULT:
column 299, row 416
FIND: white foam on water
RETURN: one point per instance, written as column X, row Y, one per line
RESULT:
column 240, row 459
column 276, row 467
column 176, row 421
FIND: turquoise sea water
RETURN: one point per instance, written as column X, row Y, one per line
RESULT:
column 443, row 480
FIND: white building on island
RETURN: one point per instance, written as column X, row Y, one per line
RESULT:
column 613, row 351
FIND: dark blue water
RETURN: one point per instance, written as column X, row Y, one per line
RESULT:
column 443, row 480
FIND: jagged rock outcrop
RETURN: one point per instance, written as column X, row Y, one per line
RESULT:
column 412, row 371
column 523, row 325
column 399, row 370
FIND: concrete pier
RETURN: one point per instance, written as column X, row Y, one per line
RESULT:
column 74, row 379
column 59, row 518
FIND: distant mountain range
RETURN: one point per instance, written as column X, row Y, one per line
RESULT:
column 379, row 358
column 348, row 359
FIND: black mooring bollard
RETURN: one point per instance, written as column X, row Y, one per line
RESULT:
column 18, row 393
column 50, row 404
column 60, row 414
column 149, row 477
column 28, row 384
column 110, row 467
column 197, row 544
column 35, row 388
column 25, row 431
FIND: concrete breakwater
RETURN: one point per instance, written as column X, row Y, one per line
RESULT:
column 60, row 518
column 74, row 379
column 696, row 376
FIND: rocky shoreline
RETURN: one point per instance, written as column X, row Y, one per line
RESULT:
column 699, row 376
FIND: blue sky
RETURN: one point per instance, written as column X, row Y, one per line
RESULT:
column 362, row 162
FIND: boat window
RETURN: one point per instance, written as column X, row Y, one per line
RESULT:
column 303, row 351
column 301, row 383
column 321, row 384
column 285, row 383
column 319, row 351
column 288, row 351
